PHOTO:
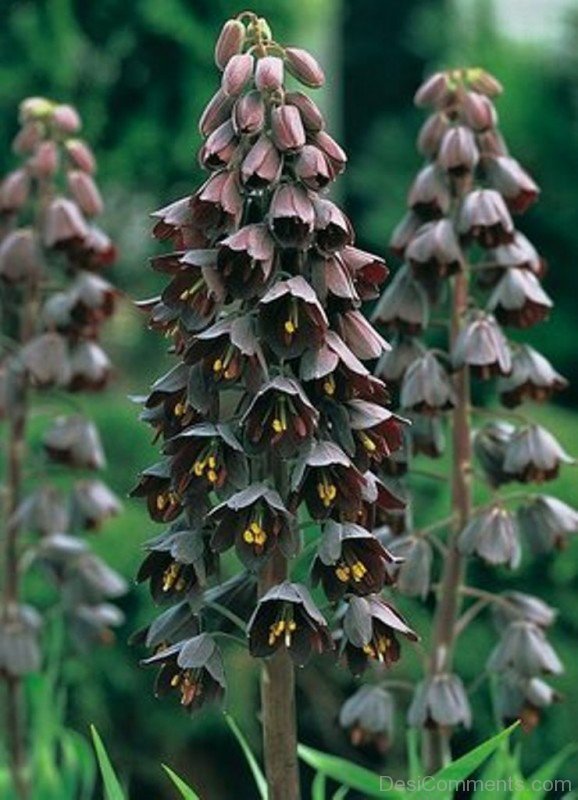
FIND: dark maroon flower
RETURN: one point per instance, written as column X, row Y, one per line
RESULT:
column 196, row 289
column 533, row 455
column 393, row 364
column 514, row 184
column 426, row 435
column 312, row 168
column 335, row 154
column 458, row 153
column 434, row 251
column 403, row 305
column 429, row 195
column 404, row 232
column 368, row 717
column 217, row 206
column 485, row 218
column 350, row 559
column 90, row 368
column 254, row 521
column 532, row 377
column 291, row 318
column 167, row 406
column 412, row 566
column 426, row 387
column 519, row 300
column 194, row 668
column 178, row 563
column 64, row 224
column 481, row 345
column 547, row 523
column 377, row 431
column 245, row 260
column 205, row 458
column 328, row 482
column 333, row 229
column 287, row 617
column 92, row 503
column 490, row 444
column 370, row 629
column 74, row 441
column 262, row 165
column 219, row 147
column 175, row 222
column 280, row 416
column 519, row 253
column 163, row 503
column 368, row 271
column 291, row 216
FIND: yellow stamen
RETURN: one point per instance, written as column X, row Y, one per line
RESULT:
column 290, row 327
column 369, row 445
column 217, row 365
column 329, row 385
column 277, row 425
column 212, row 476
column 248, row 536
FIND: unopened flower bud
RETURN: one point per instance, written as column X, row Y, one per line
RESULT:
column 66, row 118
column 433, row 91
column 230, row 42
column 478, row 112
column 237, row 74
column 28, row 137
column 44, row 162
column 249, row 113
column 310, row 113
column 482, row 81
column 269, row 74
column 85, row 192
column 303, row 66
column 458, row 153
column 14, row 190
column 35, row 108
column 81, row 155
column 20, row 257
column 216, row 112
column 287, row 128
column 431, row 134
column 262, row 164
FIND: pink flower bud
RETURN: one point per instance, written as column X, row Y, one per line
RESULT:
column 269, row 74
column 237, row 74
column 478, row 111
column 81, row 155
column 27, row 138
column 44, row 162
column 66, row 119
column 303, row 66
column 249, row 113
column 431, row 134
column 310, row 114
column 482, row 81
column 63, row 222
column 20, row 257
column 433, row 92
column 216, row 113
column 262, row 164
column 230, row 42
column 85, row 192
column 34, row 108
column 14, row 190
column 287, row 129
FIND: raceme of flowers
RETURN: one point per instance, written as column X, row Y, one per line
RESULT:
column 271, row 425
column 460, row 218
column 54, row 304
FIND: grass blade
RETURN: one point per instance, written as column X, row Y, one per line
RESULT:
column 186, row 792
column 251, row 760
column 112, row 787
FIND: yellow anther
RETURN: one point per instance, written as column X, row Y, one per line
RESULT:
column 369, row 651
column 343, row 574
column 248, row 536
column 212, row 462
column 329, row 385
column 383, row 644
column 369, row 445
column 260, row 538
column 277, row 426
column 199, row 468
column 217, row 365
column 358, row 570
column 161, row 502
column 290, row 327
column 180, row 584
column 175, row 680
column 255, row 527
column 321, row 490
column 170, row 575
column 331, row 492
column 212, row 476
column 184, row 295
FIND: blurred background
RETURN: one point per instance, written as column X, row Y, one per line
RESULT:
column 140, row 73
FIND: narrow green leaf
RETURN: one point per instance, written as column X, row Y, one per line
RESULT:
column 463, row 767
column 319, row 787
column 111, row 783
column 413, row 757
column 341, row 793
column 186, row 792
column 251, row 760
column 345, row 772
column 547, row 772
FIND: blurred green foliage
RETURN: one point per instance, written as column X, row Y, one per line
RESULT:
column 140, row 73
